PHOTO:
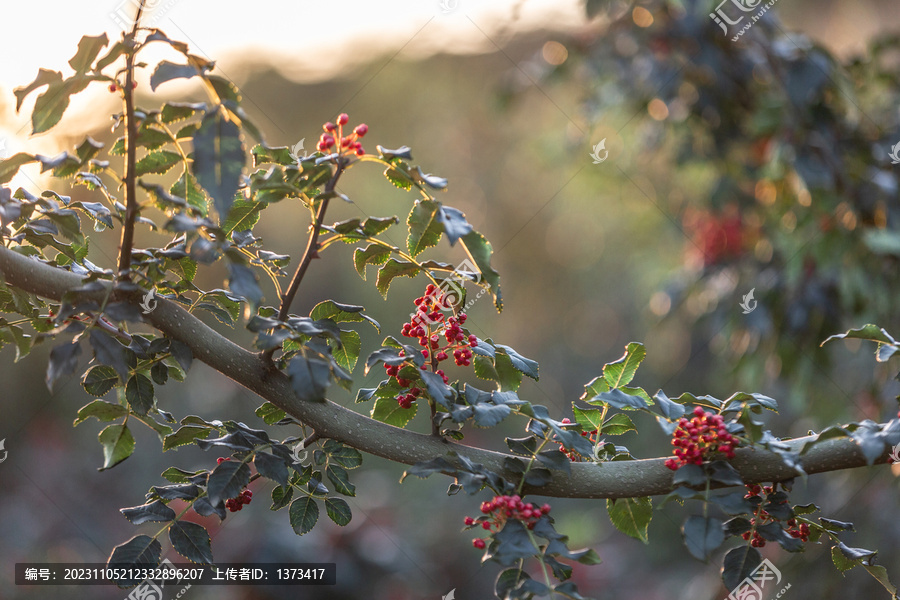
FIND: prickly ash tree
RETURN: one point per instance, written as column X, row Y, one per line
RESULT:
column 142, row 319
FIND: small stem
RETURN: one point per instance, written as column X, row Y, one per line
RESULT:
column 528, row 467
column 543, row 566
column 311, row 439
column 131, row 204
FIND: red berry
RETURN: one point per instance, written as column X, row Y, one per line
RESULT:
column 113, row 88
column 478, row 543
column 361, row 129
column 469, row 521
column 329, row 126
column 342, row 119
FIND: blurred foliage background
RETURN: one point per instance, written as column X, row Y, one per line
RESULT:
column 720, row 178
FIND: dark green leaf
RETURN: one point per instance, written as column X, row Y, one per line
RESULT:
column 271, row 467
column 139, row 551
column 479, row 249
column 185, row 435
column 304, row 513
column 227, row 480
column 109, row 352
column 156, row 512
column 702, row 536
column 341, row 480
column 63, row 361
column 310, row 378
column 245, row 283
column 739, row 563
column 139, row 393
column 191, row 541
column 338, row 511
column 167, row 71
column 391, row 269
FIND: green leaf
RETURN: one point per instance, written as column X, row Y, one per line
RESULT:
column 618, row 424
column 139, row 393
column 271, row 467
column 159, row 162
column 375, row 225
column 348, row 353
column 480, row 251
column 52, row 104
column 387, row 410
column 270, row 414
column 88, row 49
column 63, row 361
column 621, row 372
column 244, row 282
column 167, row 71
column 154, row 512
column 304, row 513
column 589, row 419
column 425, row 228
column 191, row 541
column 244, row 215
column 739, row 563
column 10, row 166
column 227, row 480
column 310, row 378
column 185, row 435
column 702, row 536
column 139, row 551
column 280, row 497
column 631, row 516
column 345, row 456
column 101, row 410
column 375, row 254
column 186, row 187
column 219, row 159
column 172, row 112
column 118, row 444
column 341, row 480
column 341, row 313
column 338, row 511
column 391, row 269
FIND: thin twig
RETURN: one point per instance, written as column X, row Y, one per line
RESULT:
column 131, row 204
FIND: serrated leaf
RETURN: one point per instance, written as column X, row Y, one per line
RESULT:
column 158, row 162
column 374, row 254
column 739, row 563
column 425, row 227
column 338, row 511
column 702, row 536
column 118, row 444
column 101, row 410
column 185, row 435
column 244, row 215
column 310, row 378
column 154, row 512
column 139, row 551
column 304, row 513
column 139, row 393
column 191, row 541
column 271, row 467
column 394, row 268
column 227, row 480
column 387, row 410
column 631, row 516
column 270, row 414
column 620, row 373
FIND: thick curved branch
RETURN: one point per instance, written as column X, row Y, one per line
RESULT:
column 645, row 477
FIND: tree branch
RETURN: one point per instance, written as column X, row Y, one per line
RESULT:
column 131, row 205
column 645, row 477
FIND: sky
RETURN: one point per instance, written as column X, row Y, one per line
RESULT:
column 307, row 40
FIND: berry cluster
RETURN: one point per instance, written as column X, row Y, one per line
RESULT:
column 334, row 137
column 574, row 456
column 237, row 503
column 502, row 508
column 762, row 517
column 428, row 324
column 697, row 439
column 716, row 237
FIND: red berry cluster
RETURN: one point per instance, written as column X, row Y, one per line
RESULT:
column 698, row 439
column 428, row 325
column 502, row 508
column 237, row 503
column 574, row 456
column 334, row 137
column 716, row 237
column 794, row 530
